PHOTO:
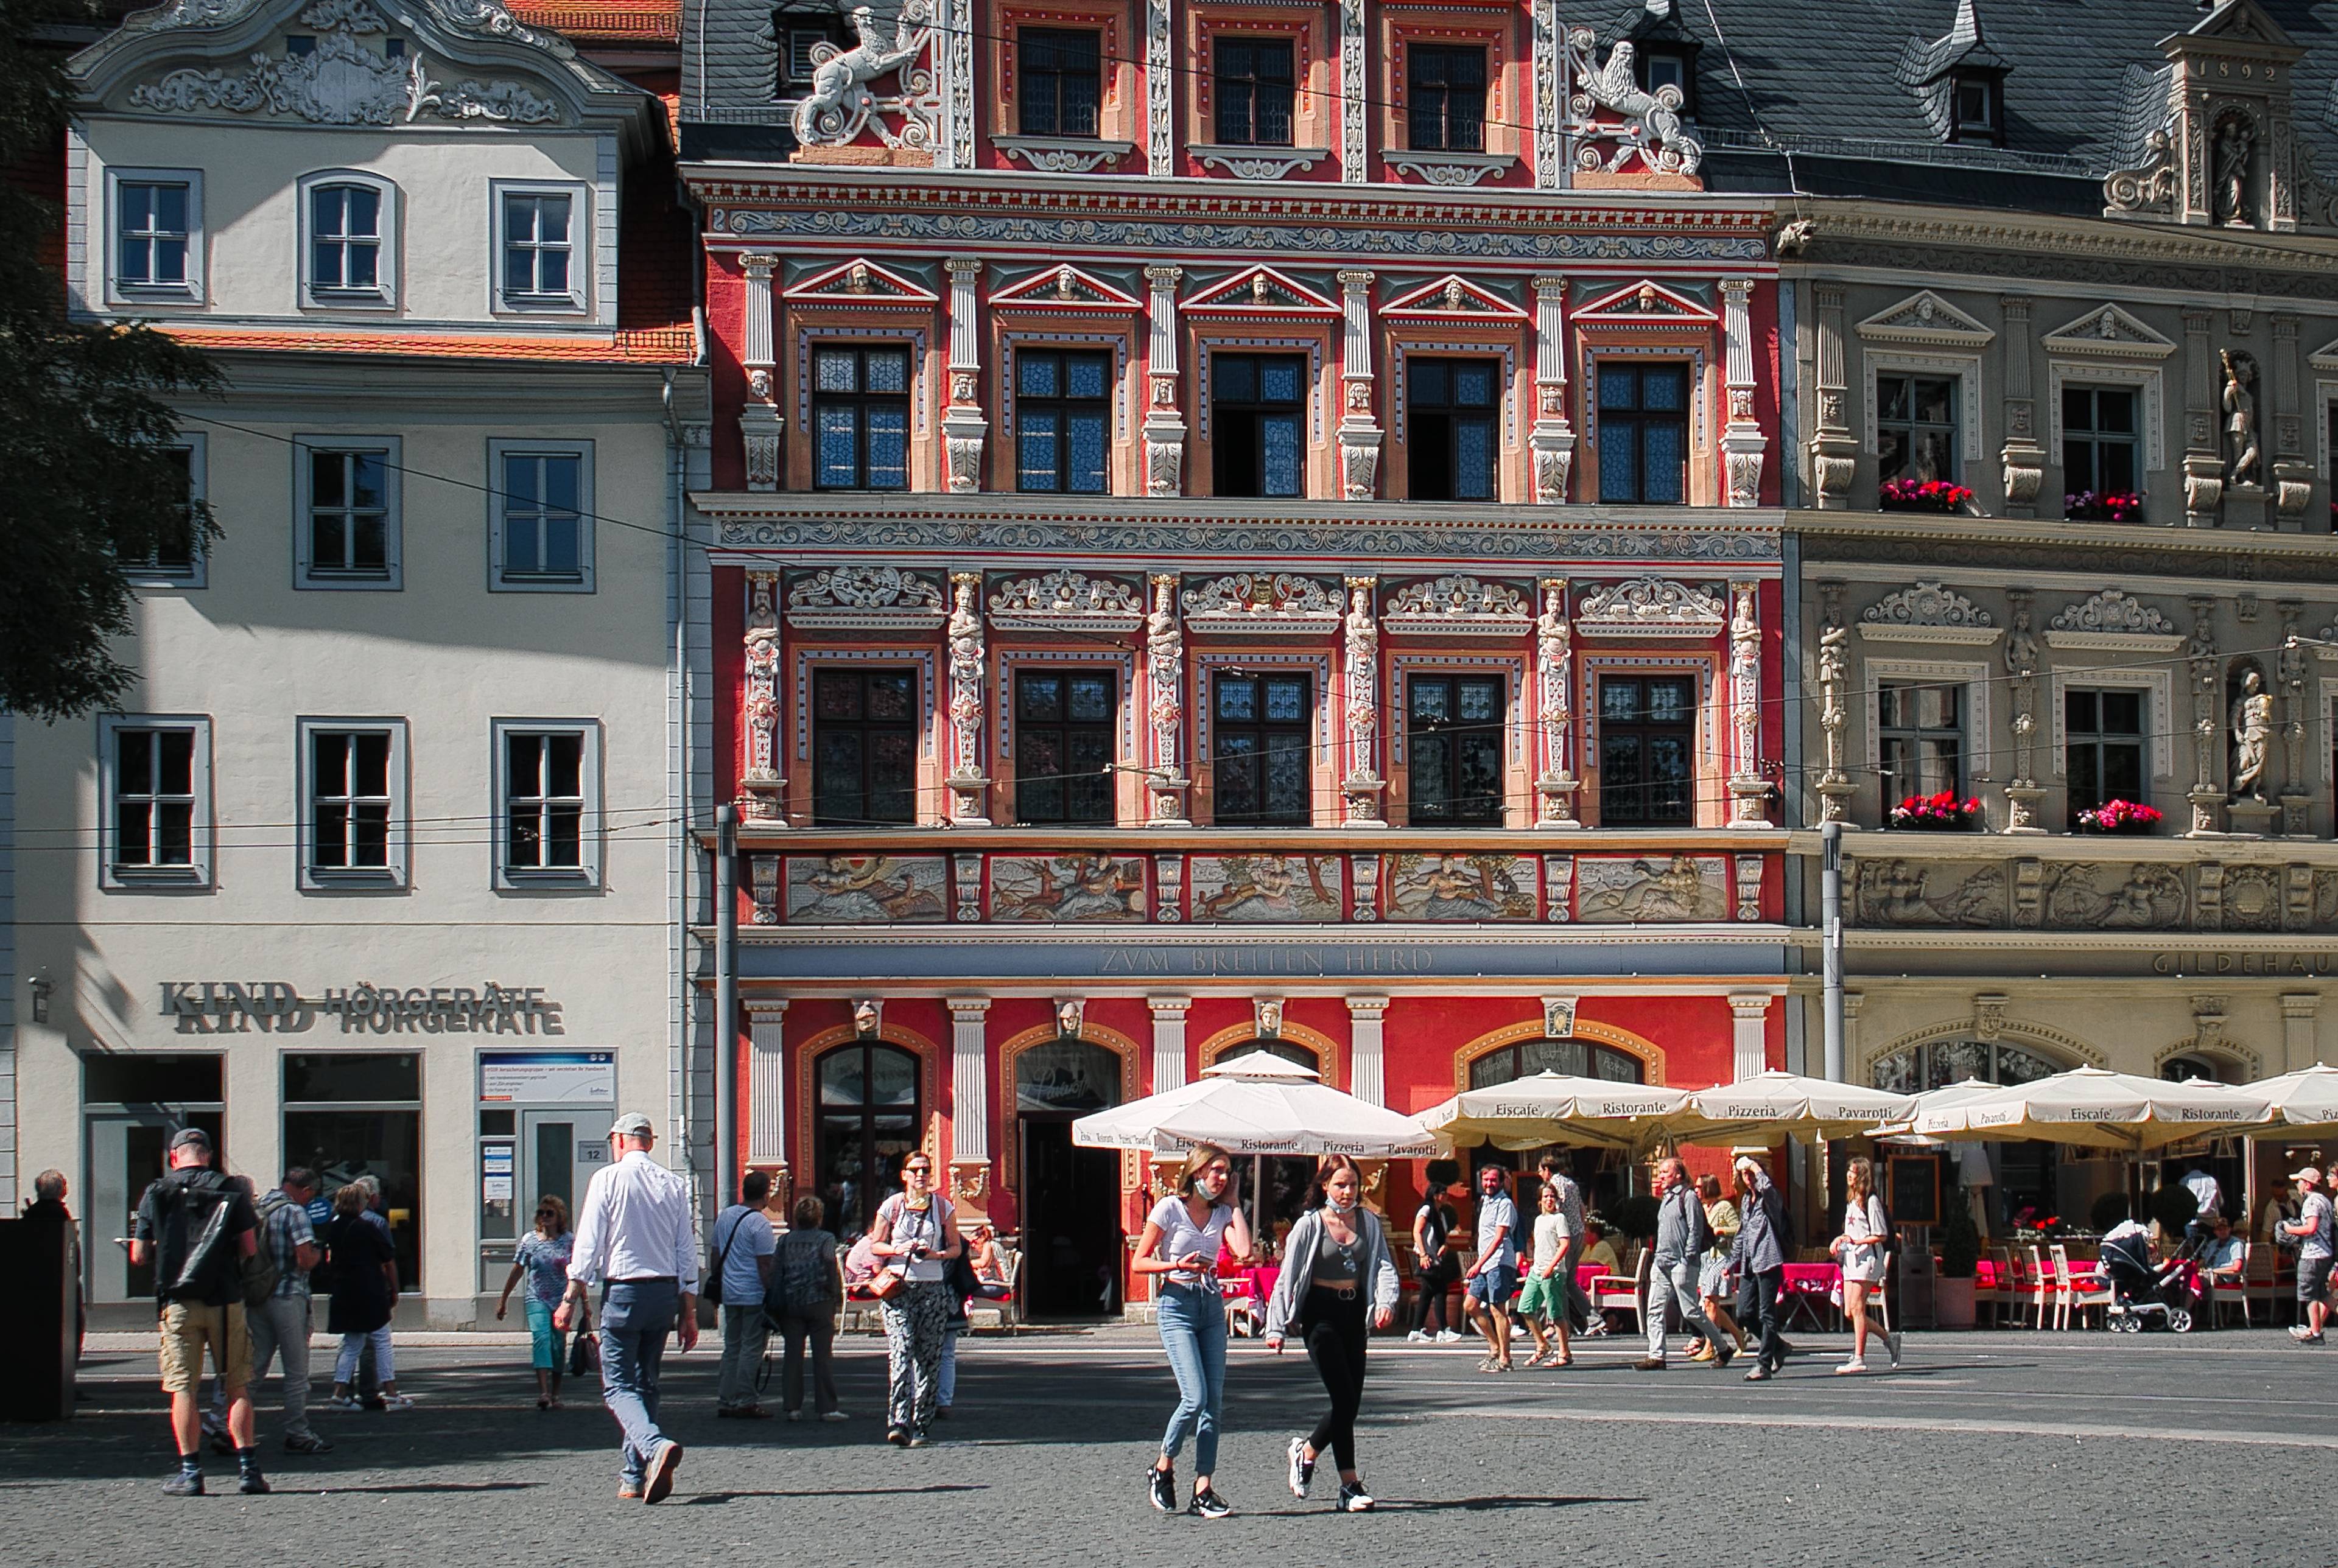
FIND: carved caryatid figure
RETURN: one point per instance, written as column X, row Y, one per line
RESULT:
column 2252, row 726
column 839, row 101
column 2240, row 418
column 1834, row 668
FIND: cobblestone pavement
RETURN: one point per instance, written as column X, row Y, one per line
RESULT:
column 2017, row 1448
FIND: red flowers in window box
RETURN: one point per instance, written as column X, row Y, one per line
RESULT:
column 2112, row 507
column 1923, row 495
column 1941, row 813
column 2120, row 817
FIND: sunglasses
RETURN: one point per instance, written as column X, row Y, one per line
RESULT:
column 918, row 1170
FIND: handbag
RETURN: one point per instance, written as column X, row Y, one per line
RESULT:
column 583, row 1353
column 886, row 1284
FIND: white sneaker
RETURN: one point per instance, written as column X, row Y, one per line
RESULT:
column 1848, row 1368
column 834, row 1416
column 1416, row 1338
column 1448, row 1336
column 1302, row 1469
column 397, row 1401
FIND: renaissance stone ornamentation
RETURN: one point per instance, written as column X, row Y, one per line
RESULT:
column 1066, row 598
column 1457, row 606
column 2252, row 737
column 840, row 105
column 2240, row 446
column 1262, row 602
column 1165, row 668
column 1650, row 607
column 1360, row 783
column 760, row 788
column 2207, row 688
column 1554, row 785
column 1650, row 130
column 871, row 598
column 1929, row 602
column 1748, row 795
column 2022, row 791
column 1903, row 892
column 968, row 786
column 1835, row 788
column 2112, row 610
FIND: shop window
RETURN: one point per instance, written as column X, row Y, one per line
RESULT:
column 349, row 1115
column 1916, row 428
column 1261, row 753
column 1062, row 421
column 2103, row 747
column 1921, row 731
column 1064, row 746
column 1258, row 404
column 155, row 774
column 866, row 1121
column 2098, row 441
column 1255, row 90
column 354, row 804
column 1066, row 1076
column 541, row 518
column 1454, row 410
column 1643, row 433
column 548, row 797
column 349, row 530
column 1445, row 97
column 1453, row 748
column 864, row 746
column 860, row 418
column 1573, row 1058
column 1647, row 751
column 1061, row 81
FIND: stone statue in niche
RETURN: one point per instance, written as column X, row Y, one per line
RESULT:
column 2240, row 418
column 2235, row 141
column 2251, row 727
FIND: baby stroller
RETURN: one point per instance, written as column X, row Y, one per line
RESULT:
column 2142, row 1295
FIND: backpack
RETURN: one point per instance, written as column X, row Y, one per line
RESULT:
column 1699, row 1240
column 261, row 1271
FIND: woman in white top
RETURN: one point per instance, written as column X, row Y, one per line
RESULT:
column 916, row 1234
column 1860, row 1250
column 1180, row 1242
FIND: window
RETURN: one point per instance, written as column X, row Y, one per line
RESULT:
column 158, row 233
column 540, row 518
column 1253, row 83
column 1660, row 68
column 1942, row 1063
column 1916, row 428
column 540, row 269
column 1062, row 83
column 1921, row 728
column 2099, row 440
column 349, row 1114
column 155, row 775
column 860, row 418
column 1647, row 749
column 798, row 38
column 868, row 1121
column 1261, row 749
column 1257, row 402
column 547, row 788
column 1454, row 407
column 2103, row 747
column 1973, row 99
column 176, row 560
column 1445, row 97
column 1062, row 421
column 348, row 536
column 864, row 746
column 1064, row 745
column 1453, row 748
column 353, row 795
column 351, row 227
column 1572, row 1058
column 1643, row 433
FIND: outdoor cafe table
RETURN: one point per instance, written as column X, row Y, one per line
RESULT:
column 1809, row 1294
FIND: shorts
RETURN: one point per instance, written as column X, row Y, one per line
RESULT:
column 187, row 1327
column 1711, row 1276
column 2312, row 1277
column 1494, row 1286
column 1545, row 1297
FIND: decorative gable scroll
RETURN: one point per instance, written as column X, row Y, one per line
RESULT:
column 1925, row 317
column 2114, row 621
column 861, row 281
column 1064, row 599
column 866, row 598
column 1260, row 291
column 1929, row 612
column 1064, row 287
column 1457, row 606
column 1650, row 607
column 1276, row 603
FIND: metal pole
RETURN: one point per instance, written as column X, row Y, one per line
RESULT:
column 1831, row 914
column 726, row 1006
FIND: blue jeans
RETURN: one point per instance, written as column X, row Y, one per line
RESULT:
column 948, row 1382
column 1193, row 1323
column 636, row 1318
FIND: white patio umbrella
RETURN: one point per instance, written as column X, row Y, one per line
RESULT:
column 1555, row 1108
column 1775, row 1103
column 2098, row 1109
column 2306, row 1100
column 1257, row 1103
column 1930, row 1100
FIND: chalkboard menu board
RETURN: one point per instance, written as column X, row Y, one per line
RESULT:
column 1915, row 1195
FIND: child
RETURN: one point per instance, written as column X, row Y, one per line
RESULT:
column 1544, row 1299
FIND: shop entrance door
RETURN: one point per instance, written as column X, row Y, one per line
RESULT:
column 1071, row 1223
column 559, row 1150
column 125, row 1153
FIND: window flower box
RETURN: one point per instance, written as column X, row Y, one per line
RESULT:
column 2112, row 507
column 1941, row 813
column 1923, row 495
column 2120, row 817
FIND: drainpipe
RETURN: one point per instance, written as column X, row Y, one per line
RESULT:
column 726, row 1005
column 1831, row 935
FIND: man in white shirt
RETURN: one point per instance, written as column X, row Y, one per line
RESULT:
column 636, row 1236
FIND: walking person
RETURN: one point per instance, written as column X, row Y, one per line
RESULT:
column 1860, row 1250
column 740, row 1268
column 807, row 1291
column 1437, row 1264
column 1759, row 1258
column 365, row 1292
column 542, row 1259
column 1493, row 1278
column 1544, row 1299
column 1180, row 1244
column 280, row 1326
column 2312, row 1230
column 1721, row 1218
column 636, row 1239
column 1575, row 1301
column 196, row 1228
column 916, row 1231
column 1335, row 1254
column 1683, row 1238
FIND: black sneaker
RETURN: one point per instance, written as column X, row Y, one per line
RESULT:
column 1354, row 1499
column 185, row 1484
column 251, row 1482
column 1208, row 1504
column 898, row 1437
column 307, row 1443
column 1162, row 1487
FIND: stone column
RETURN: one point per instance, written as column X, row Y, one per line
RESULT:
column 955, row 60
column 2022, row 791
column 2203, row 456
column 1749, row 797
column 969, row 1098
column 767, row 1086
column 1160, row 91
column 2290, row 672
column 1165, row 708
column 1835, row 450
column 1835, row 788
column 2023, row 459
column 963, row 425
column 1359, row 431
column 1552, row 440
column 1749, row 1011
column 2293, row 473
column 2208, row 717
column 1742, row 441
column 1164, row 426
column 1366, row 1018
column 2297, row 1029
column 1555, row 784
column 1168, row 1041
column 969, row 790
column 762, row 792
column 760, row 424
column 1360, row 784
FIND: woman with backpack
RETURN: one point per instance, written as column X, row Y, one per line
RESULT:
column 542, row 1258
column 1336, row 1255
column 365, row 1290
column 1860, row 1249
column 807, row 1291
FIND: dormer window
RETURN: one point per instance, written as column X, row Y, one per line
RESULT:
column 1973, row 105
column 1658, row 64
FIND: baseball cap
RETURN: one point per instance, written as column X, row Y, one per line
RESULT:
column 2308, row 1174
column 633, row 1125
column 192, row 1138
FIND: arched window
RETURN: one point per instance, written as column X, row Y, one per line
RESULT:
column 1575, row 1058
column 349, row 222
column 867, row 1120
column 1299, row 1054
column 2177, row 1069
column 1939, row 1062
column 1066, row 1076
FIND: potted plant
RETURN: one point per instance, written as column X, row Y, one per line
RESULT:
column 1922, row 495
column 2120, row 817
column 2112, row 507
column 1952, row 1291
column 1941, row 813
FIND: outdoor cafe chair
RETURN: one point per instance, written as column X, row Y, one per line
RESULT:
column 1611, row 1292
column 1998, row 1297
column 2039, row 1285
column 2226, row 1294
column 2261, row 1280
column 2074, row 1292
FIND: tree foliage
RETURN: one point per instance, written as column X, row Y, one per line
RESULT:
column 85, row 414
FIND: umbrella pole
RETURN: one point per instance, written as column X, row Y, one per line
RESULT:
column 1257, row 1201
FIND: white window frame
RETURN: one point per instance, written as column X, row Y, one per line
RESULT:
column 578, row 300
column 2158, row 712
column 121, row 292
column 510, row 878
column 194, row 877
column 2146, row 382
column 500, row 580
column 1976, row 680
column 398, row 874
column 383, row 295
column 146, row 574
column 1965, row 367
column 304, row 567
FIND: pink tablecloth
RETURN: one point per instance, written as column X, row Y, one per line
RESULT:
column 1813, row 1278
column 1259, row 1283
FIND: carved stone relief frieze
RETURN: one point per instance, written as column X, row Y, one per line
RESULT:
column 1066, row 598
column 1911, row 892
column 1650, row 607
column 1256, row 601
column 1457, row 606
column 866, row 598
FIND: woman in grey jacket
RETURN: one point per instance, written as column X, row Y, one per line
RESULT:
column 1336, row 1252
